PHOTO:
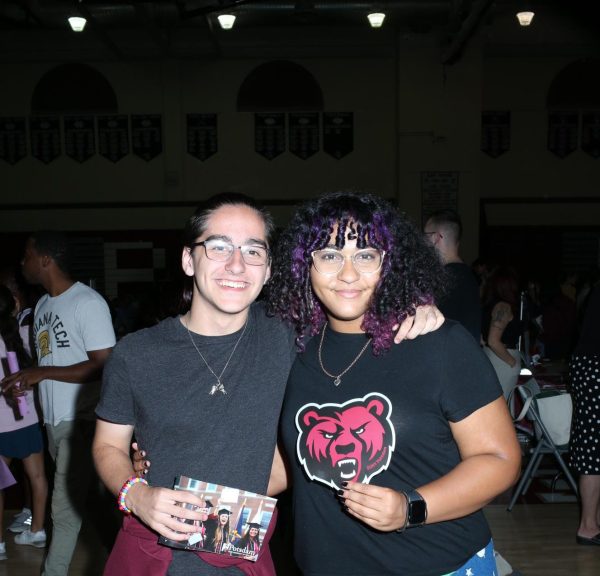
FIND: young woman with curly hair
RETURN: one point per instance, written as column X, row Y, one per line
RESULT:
column 415, row 435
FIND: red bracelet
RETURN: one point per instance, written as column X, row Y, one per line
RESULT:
column 123, row 492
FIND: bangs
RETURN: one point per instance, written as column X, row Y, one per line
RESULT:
column 347, row 226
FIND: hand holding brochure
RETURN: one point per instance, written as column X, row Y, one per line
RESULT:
column 234, row 521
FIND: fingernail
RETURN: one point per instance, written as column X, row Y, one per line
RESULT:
column 346, row 509
column 143, row 453
column 340, row 492
column 146, row 463
column 344, row 484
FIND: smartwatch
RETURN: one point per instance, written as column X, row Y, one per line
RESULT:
column 416, row 510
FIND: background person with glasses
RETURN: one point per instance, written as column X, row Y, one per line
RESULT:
column 406, row 436
column 460, row 302
column 202, row 392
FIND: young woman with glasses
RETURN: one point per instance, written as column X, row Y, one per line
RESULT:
column 412, row 439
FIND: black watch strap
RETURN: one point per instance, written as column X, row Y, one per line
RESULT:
column 416, row 510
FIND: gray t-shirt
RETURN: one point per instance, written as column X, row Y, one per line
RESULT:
column 66, row 327
column 155, row 381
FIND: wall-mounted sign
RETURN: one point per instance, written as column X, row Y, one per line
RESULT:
column 13, row 139
column 269, row 134
column 495, row 132
column 338, row 133
column 80, row 141
column 113, row 137
column 563, row 132
column 45, row 138
column 146, row 135
column 202, row 135
column 439, row 191
column 304, row 133
column 590, row 133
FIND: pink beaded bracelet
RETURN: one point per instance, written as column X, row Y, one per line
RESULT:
column 123, row 492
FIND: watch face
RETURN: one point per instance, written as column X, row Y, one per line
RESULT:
column 418, row 512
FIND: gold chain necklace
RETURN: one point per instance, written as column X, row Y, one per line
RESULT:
column 337, row 378
column 218, row 387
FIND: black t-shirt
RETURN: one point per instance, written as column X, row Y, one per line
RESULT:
column 387, row 423
column 461, row 302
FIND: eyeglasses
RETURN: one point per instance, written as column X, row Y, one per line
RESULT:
column 221, row 251
column 329, row 261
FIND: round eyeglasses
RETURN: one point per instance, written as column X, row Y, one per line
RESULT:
column 330, row 261
column 221, row 251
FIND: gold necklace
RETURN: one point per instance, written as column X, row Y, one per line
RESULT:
column 337, row 378
column 218, row 387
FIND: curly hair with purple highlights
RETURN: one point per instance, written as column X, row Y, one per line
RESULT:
column 411, row 274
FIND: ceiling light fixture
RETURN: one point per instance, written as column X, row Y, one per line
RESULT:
column 77, row 23
column 525, row 18
column 226, row 21
column 376, row 19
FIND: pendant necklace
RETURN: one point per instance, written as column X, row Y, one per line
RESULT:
column 337, row 378
column 218, row 387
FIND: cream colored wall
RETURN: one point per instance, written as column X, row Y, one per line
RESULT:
column 529, row 169
column 411, row 114
column 439, row 127
column 174, row 88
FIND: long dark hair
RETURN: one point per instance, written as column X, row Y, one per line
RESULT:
column 9, row 327
column 411, row 274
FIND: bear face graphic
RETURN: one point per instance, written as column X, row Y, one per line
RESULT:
column 350, row 441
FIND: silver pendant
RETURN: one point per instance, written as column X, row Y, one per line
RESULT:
column 218, row 387
column 337, row 381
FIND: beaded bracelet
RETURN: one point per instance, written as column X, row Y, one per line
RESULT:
column 125, row 489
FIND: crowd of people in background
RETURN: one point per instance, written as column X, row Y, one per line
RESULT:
column 514, row 316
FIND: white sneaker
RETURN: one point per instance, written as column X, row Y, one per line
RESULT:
column 21, row 522
column 37, row 539
column 3, row 555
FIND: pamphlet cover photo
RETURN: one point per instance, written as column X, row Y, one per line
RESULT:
column 234, row 522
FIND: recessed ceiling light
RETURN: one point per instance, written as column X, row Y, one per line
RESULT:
column 77, row 23
column 226, row 21
column 376, row 19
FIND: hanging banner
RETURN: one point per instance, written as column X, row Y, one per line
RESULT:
column 45, row 138
column 13, row 139
column 146, row 135
column 495, row 132
column 338, row 133
column 113, row 137
column 590, row 133
column 439, row 191
column 304, row 133
column 563, row 128
column 202, row 135
column 80, row 142
column 269, row 134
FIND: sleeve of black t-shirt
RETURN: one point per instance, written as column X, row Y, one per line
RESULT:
column 469, row 380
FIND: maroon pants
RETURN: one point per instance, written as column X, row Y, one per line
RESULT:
column 137, row 553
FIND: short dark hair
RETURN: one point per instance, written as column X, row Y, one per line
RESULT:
column 53, row 244
column 449, row 219
column 198, row 222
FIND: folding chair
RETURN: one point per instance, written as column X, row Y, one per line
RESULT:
column 543, row 446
